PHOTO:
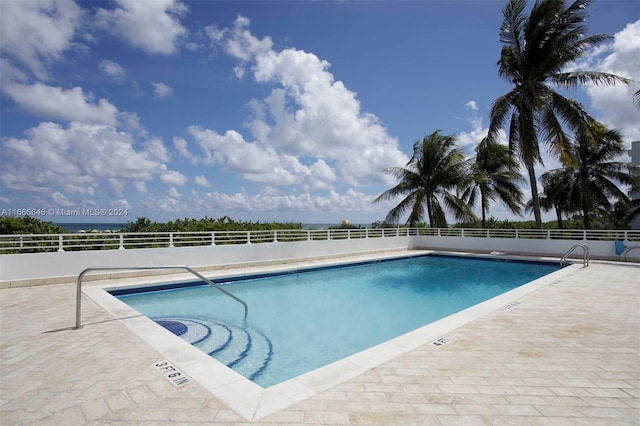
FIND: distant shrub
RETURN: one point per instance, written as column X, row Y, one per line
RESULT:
column 225, row 223
column 27, row 225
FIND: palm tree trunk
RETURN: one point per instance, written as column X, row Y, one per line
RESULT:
column 482, row 204
column 429, row 211
column 534, row 195
column 559, row 217
column 585, row 213
column 484, row 219
column 584, row 181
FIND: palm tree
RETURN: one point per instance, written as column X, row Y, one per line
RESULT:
column 536, row 49
column 591, row 182
column 436, row 168
column 623, row 214
column 557, row 185
column 494, row 175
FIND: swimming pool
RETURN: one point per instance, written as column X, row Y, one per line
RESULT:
column 302, row 320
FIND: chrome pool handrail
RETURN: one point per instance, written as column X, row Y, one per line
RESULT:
column 140, row 268
column 585, row 255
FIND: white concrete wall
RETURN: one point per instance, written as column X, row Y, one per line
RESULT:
column 65, row 266
column 603, row 250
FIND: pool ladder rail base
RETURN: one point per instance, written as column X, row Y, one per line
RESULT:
column 149, row 268
column 585, row 255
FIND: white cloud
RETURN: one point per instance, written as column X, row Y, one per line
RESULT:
column 10, row 73
column 308, row 116
column 614, row 105
column 171, row 203
column 82, row 185
column 201, row 180
column 152, row 26
column 193, row 46
column 238, row 40
column 334, row 203
column 59, row 104
column 161, row 90
column 36, row 33
column 182, row 146
column 156, row 150
column 115, row 187
column 113, row 70
column 121, row 203
column 172, row 177
column 239, row 71
column 60, row 200
column 471, row 105
column 173, row 193
column 140, row 187
column 258, row 162
column 78, row 159
column 130, row 122
column 468, row 141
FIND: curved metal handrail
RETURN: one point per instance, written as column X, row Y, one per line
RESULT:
column 141, row 268
column 585, row 256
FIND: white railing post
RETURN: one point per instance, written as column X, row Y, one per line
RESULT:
column 348, row 234
column 121, row 242
column 21, row 241
column 308, row 235
column 248, row 237
column 366, row 232
column 462, row 232
column 439, row 232
column 213, row 238
column 60, row 239
column 517, row 236
column 170, row 239
column 548, row 234
column 275, row 236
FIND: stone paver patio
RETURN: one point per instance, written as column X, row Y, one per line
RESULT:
column 569, row 353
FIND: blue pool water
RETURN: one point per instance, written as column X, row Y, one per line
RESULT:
column 298, row 322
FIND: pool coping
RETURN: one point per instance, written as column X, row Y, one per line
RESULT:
column 254, row 402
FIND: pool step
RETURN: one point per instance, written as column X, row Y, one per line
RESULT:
column 247, row 351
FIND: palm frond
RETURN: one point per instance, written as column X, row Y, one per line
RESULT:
column 512, row 24
column 570, row 80
column 499, row 111
column 461, row 210
column 398, row 211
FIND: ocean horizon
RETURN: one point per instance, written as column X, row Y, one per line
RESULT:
column 75, row 227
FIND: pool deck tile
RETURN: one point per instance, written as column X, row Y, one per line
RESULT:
column 568, row 353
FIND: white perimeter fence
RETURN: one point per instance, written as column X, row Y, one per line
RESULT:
column 36, row 257
column 36, row 243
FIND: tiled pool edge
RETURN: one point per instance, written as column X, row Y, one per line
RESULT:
column 252, row 401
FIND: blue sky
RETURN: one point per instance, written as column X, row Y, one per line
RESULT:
column 270, row 110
